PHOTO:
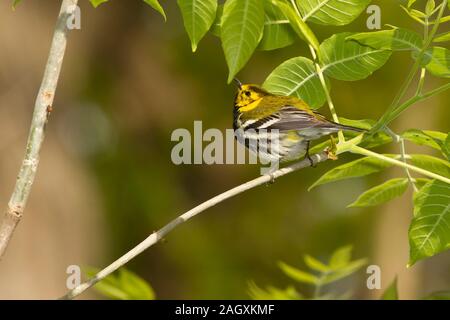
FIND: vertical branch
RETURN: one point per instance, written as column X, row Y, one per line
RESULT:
column 42, row 109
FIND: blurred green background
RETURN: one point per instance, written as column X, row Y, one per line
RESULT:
column 106, row 178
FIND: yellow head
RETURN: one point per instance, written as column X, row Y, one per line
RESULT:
column 248, row 94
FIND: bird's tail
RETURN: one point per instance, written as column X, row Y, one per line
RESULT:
column 348, row 128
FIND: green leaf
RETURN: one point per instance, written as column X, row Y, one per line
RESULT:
column 365, row 124
column 155, row 5
column 429, row 232
column 430, row 7
column 432, row 164
column 391, row 292
column 353, row 169
column 16, row 3
column 421, row 182
column 272, row 293
column 446, row 147
column 414, row 14
column 278, row 32
column 299, row 26
column 341, row 257
column 348, row 60
column 298, row 275
column 382, row 193
column 198, row 16
column 341, row 265
column 344, row 271
column 394, row 39
column 375, row 140
column 297, row 77
column 433, row 139
column 443, row 37
column 123, row 285
column 241, row 30
column 95, row 3
column 439, row 61
column 315, row 264
column 410, row 3
column 331, row 12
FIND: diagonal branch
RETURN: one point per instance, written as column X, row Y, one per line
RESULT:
column 42, row 109
column 158, row 235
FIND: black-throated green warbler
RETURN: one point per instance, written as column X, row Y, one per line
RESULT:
column 278, row 128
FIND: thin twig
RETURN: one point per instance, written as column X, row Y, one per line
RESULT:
column 158, row 235
column 42, row 109
column 399, row 139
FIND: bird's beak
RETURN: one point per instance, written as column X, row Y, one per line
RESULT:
column 239, row 83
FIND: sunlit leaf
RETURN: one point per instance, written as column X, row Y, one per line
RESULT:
column 298, row 275
column 241, row 30
column 375, row 140
column 429, row 232
column 353, row 169
column 433, row 139
column 414, row 14
column 315, row 264
column 430, row 7
column 341, row 265
column 344, row 271
column 297, row 77
column 299, row 26
column 421, row 182
column 439, row 61
column 348, row 60
column 331, row 12
column 432, row 164
column 444, row 37
column 272, row 293
column 411, row 2
column 382, row 193
column 136, row 287
column 365, row 124
column 278, row 32
column 123, row 285
column 155, row 5
column 391, row 292
column 341, row 257
column 198, row 16
column 446, row 147
column 95, row 3
column 394, row 39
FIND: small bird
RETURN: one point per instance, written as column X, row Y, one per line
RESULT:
column 278, row 128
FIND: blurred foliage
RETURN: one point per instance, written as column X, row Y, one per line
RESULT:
column 123, row 285
column 338, row 267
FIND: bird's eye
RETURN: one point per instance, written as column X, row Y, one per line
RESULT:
column 247, row 93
